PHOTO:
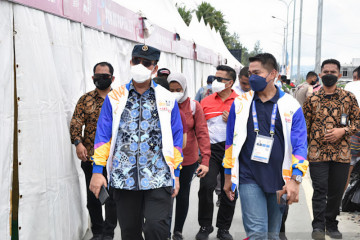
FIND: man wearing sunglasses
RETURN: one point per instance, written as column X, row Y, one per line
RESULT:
column 216, row 109
column 266, row 150
column 86, row 113
column 139, row 139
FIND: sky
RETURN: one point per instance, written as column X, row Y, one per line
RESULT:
column 252, row 20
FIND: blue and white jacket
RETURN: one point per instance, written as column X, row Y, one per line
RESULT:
column 294, row 129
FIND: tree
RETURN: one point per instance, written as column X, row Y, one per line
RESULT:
column 257, row 49
column 185, row 14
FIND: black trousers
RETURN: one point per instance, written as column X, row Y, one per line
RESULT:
column 328, row 180
column 182, row 199
column 206, row 192
column 98, row 225
column 145, row 211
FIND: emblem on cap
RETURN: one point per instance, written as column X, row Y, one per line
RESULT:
column 145, row 48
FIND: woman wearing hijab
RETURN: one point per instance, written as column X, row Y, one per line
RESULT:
column 197, row 138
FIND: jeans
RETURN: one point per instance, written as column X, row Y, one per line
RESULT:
column 98, row 225
column 328, row 180
column 261, row 213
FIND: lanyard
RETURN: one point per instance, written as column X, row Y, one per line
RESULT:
column 272, row 124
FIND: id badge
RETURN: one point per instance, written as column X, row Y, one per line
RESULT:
column 262, row 149
column 343, row 120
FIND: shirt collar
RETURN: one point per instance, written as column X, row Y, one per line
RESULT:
column 322, row 91
column 274, row 99
column 132, row 88
column 233, row 95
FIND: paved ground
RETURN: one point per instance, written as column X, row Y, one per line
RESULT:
column 298, row 224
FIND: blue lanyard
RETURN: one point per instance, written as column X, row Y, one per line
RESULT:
column 272, row 124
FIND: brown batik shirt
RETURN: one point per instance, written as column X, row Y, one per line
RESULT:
column 86, row 113
column 323, row 112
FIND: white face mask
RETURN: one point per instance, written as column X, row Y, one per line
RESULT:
column 218, row 86
column 178, row 95
column 140, row 73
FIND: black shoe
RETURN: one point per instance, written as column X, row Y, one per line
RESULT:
column 96, row 237
column 177, row 236
column 224, row 234
column 334, row 233
column 107, row 238
column 318, row 234
column 204, row 233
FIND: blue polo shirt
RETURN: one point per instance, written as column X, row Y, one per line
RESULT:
column 267, row 175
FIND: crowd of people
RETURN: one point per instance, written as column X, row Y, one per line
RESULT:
column 144, row 142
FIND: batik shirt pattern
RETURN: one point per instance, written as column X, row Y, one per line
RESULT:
column 138, row 162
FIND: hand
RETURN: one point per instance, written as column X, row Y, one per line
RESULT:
column 97, row 180
column 225, row 116
column 202, row 170
column 227, row 188
column 81, row 152
column 292, row 189
column 334, row 134
column 177, row 187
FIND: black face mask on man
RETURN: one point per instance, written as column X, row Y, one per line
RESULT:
column 329, row 80
column 102, row 81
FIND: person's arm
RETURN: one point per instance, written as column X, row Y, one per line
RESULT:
column 354, row 116
column 76, row 125
column 177, row 132
column 102, row 147
column 198, row 94
column 299, row 154
column 307, row 111
column 229, row 161
column 103, row 137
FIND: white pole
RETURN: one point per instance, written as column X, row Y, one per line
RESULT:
column 292, row 41
column 299, row 44
column 318, row 37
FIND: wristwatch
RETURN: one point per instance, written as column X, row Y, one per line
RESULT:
column 76, row 142
column 297, row 178
column 347, row 133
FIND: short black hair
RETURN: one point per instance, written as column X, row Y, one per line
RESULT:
column 311, row 74
column 244, row 72
column 104, row 64
column 358, row 72
column 267, row 60
column 283, row 78
column 229, row 70
column 331, row 61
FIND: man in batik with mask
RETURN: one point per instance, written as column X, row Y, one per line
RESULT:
column 86, row 113
column 139, row 139
column 216, row 109
column 332, row 116
column 265, row 150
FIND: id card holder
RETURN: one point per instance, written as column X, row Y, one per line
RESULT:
column 343, row 120
column 262, row 149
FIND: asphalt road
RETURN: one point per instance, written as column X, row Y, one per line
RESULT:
column 298, row 224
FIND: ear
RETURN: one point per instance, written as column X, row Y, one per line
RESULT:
column 92, row 77
column 155, row 69
column 340, row 75
column 112, row 79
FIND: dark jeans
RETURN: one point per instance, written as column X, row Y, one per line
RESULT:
column 98, row 225
column 182, row 199
column 328, row 180
column 206, row 192
column 133, row 207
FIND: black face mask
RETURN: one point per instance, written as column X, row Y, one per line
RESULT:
column 102, row 81
column 314, row 82
column 329, row 80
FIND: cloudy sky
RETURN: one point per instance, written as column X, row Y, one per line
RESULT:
column 252, row 20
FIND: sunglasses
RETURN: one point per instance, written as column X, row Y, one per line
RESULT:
column 219, row 79
column 145, row 62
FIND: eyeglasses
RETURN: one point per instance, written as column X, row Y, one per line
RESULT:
column 219, row 79
column 145, row 62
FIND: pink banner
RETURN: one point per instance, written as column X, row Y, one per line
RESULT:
column 110, row 17
column 51, row 6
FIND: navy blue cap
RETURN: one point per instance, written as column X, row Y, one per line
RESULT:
column 147, row 52
column 210, row 79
